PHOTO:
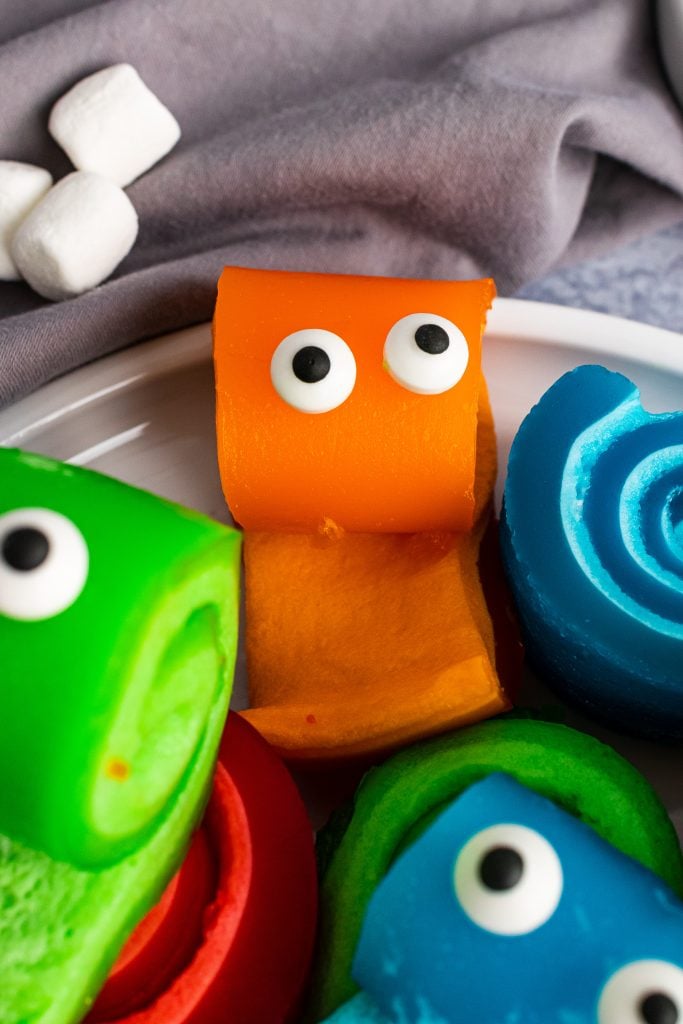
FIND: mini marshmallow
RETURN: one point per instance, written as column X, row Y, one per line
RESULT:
column 21, row 187
column 112, row 124
column 76, row 236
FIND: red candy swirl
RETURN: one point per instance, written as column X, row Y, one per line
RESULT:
column 241, row 909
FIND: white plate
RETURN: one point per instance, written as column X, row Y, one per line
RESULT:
column 146, row 415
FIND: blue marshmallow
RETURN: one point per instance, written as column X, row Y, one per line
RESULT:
column 592, row 540
column 508, row 910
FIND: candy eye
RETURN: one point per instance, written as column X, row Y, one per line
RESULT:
column 43, row 563
column 313, row 370
column 643, row 992
column 426, row 353
column 508, row 879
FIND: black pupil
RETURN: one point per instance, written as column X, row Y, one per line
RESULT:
column 25, row 548
column 432, row 339
column 501, row 868
column 658, row 1008
column 311, row 364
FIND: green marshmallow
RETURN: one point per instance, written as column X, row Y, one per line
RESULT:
column 397, row 801
column 118, row 637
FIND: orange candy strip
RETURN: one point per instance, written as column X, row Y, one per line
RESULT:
column 357, row 643
column 386, row 459
column 366, row 623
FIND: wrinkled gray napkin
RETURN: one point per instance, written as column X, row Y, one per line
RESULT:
column 435, row 138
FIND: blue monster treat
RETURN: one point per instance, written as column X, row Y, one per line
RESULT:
column 508, row 909
column 592, row 540
column 397, row 802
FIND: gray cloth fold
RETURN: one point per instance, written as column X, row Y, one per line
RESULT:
column 431, row 139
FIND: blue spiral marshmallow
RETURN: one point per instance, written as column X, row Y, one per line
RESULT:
column 592, row 540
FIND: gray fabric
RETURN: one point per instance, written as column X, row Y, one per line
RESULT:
column 641, row 281
column 407, row 137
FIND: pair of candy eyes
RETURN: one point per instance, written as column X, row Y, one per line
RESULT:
column 508, row 880
column 44, row 563
column 314, row 370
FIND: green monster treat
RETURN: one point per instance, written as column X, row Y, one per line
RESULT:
column 396, row 802
column 118, row 634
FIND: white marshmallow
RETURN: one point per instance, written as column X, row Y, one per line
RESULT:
column 76, row 236
column 112, row 124
column 21, row 187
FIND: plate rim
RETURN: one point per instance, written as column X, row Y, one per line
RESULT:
column 520, row 319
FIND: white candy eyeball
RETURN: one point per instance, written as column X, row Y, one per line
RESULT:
column 426, row 353
column 508, row 879
column 43, row 563
column 643, row 992
column 313, row 370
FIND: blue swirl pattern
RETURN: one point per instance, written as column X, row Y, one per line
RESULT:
column 592, row 538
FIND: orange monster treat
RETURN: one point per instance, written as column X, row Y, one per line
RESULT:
column 384, row 458
column 388, row 637
column 357, row 449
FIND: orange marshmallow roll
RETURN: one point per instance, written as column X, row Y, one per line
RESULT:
column 328, row 409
